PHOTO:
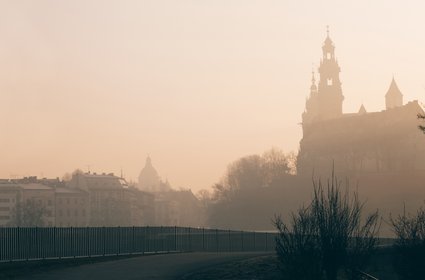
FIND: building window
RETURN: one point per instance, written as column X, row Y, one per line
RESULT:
column 4, row 200
column 59, row 200
column 330, row 82
column 49, row 202
column 76, row 213
column 328, row 55
column 67, row 201
column 68, row 213
column 60, row 213
column 83, row 212
column 4, row 208
column 4, row 217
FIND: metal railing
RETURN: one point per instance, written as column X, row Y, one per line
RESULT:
column 55, row 243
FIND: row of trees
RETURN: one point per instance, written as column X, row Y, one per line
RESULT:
column 327, row 239
column 242, row 180
column 255, row 171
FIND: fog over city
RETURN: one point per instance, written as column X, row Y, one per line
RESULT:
column 242, row 139
column 196, row 85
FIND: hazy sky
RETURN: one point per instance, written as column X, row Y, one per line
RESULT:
column 194, row 84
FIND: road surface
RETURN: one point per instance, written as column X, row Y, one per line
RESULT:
column 165, row 266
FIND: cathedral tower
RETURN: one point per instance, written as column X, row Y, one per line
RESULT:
column 311, row 104
column 327, row 103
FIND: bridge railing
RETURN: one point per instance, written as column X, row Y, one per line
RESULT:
column 54, row 243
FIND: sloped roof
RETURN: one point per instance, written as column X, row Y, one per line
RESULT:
column 393, row 90
column 362, row 110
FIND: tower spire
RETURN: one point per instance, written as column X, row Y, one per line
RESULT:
column 394, row 97
column 326, row 98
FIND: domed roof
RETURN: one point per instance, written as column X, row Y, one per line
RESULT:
column 149, row 179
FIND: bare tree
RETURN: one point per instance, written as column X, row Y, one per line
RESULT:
column 255, row 171
column 410, row 244
column 328, row 234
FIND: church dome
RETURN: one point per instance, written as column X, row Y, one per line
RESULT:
column 149, row 179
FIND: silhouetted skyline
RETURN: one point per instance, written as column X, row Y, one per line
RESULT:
column 195, row 84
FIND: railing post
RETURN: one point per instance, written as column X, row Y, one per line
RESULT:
column 147, row 235
column 175, row 238
column 190, row 241
column 37, row 251
column 161, row 238
column 132, row 240
column 255, row 247
column 203, row 239
column 71, row 234
column 88, row 242
column 119, row 241
column 216, row 239
column 230, row 248
column 103, row 241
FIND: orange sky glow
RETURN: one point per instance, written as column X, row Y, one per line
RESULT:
column 194, row 84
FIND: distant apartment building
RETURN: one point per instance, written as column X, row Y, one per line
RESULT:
column 111, row 201
column 8, row 199
column 72, row 207
column 91, row 199
column 20, row 201
column 178, row 208
column 41, row 197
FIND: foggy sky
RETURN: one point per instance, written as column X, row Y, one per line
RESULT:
column 194, row 84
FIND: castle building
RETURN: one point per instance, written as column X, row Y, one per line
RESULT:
column 388, row 141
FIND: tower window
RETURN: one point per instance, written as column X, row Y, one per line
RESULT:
column 328, row 55
column 329, row 82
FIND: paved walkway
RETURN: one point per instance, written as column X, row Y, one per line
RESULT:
column 167, row 267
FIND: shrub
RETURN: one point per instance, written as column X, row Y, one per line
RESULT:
column 328, row 237
column 410, row 244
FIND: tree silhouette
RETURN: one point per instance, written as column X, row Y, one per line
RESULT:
column 410, row 244
column 328, row 235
